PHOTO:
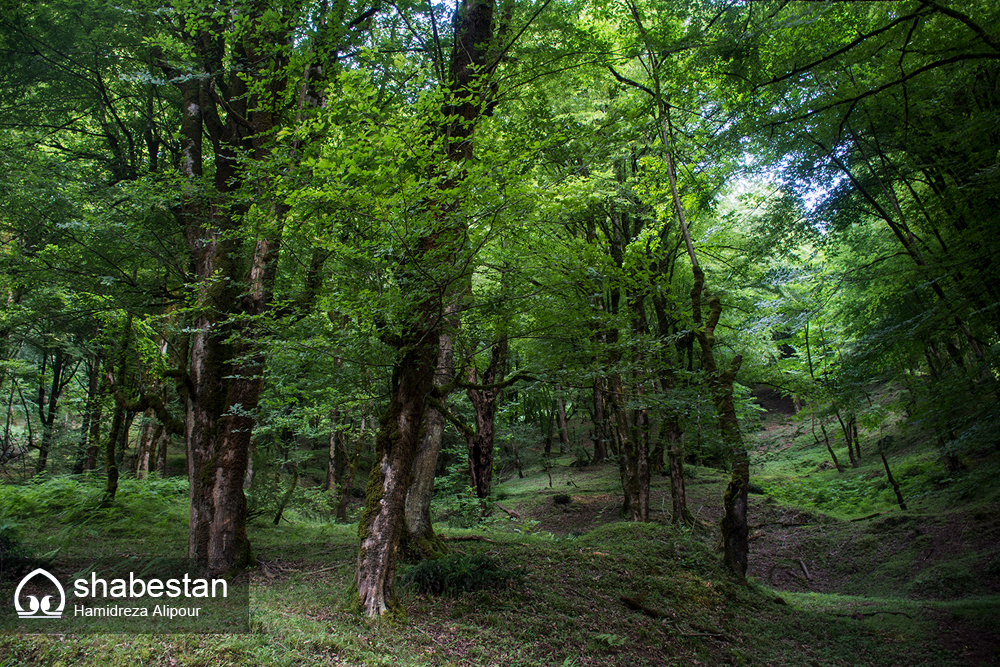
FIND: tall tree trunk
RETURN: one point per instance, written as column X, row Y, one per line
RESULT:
column 94, row 439
column 337, row 449
column 234, row 273
column 217, row 437
column 48, row 406
column 629, row 448
column 87, row 449
column 147, row 442
column 383, row 519
column 735, row 529
column 162, row 441
column 347, row 485
column 671, row 432
column 561, row 421
column 548, row 429
column 600, row 423
column 110, row 451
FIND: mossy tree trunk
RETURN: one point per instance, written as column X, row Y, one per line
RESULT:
column 420, row 530
column 473, row 59
column 383, row 518
column 233, row 255
column 735, row 530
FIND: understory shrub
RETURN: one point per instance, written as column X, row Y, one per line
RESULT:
column 458, row 573
column 15, row 557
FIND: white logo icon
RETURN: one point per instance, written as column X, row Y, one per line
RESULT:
column 39, row 608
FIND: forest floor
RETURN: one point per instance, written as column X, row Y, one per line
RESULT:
column 839, row 575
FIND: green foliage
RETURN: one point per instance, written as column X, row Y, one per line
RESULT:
column 461, row 509
column 144, row 510
column 15, row 557
column 459, row 573
column 859, row 492
column 454, row 500
column 609, row 640
column 945, row 581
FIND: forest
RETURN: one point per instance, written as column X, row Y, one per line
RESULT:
column 509, row 332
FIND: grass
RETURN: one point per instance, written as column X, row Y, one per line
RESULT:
column 594, row 590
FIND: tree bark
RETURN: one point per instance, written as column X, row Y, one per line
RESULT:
column 383, row 518
column 48, row 406
column 485, row 403
column 337, row 463
column 420, row 529
column 735, row 530
column 237, row 109
column 90, row 430
column 147, row 442
column 600, row 423
column 110, row 458
column 382, row 521
column 892, row 481
column 561, row 421
column 675, row 460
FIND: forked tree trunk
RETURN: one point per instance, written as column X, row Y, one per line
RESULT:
column 233, row 267
column 485, row 403
column 850, row 433
column 474, row 56
column 382, row 521
column 420, row 530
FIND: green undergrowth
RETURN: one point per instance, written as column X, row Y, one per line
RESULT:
column 795, row 469
column 611, row 593
column 622, row 594
column 67, row 514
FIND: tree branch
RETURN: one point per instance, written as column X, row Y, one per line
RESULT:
column 959, row 16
